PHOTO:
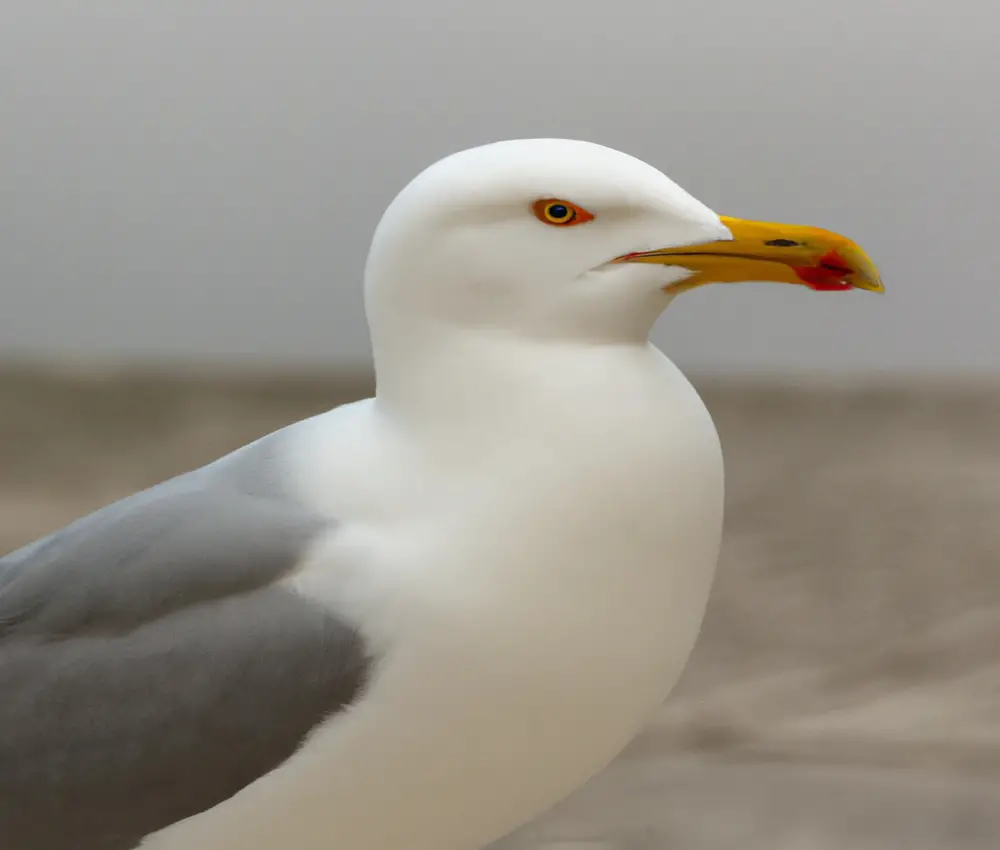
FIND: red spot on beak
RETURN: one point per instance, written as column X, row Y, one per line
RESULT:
column 827, row 275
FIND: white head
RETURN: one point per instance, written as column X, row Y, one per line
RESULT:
column 461, row 244
column 550, row 239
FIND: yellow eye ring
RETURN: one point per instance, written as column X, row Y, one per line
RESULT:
column 560, row 213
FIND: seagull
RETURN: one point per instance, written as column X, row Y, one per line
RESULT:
column 417, row 621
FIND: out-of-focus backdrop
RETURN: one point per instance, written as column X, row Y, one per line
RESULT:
column 188, row 190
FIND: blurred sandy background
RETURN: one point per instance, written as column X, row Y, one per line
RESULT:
column 845, row 691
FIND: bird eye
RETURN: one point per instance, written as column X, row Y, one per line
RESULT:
column 560, row 213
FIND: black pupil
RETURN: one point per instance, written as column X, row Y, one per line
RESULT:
column 558, row 211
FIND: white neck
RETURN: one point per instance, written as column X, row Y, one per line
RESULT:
column 484, row 381
column 430, row 363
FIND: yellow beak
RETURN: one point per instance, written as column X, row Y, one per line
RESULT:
column 783, row 253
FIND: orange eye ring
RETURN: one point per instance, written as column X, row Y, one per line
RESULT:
column 560, row 213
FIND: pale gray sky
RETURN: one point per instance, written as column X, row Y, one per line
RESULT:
column 201, row 178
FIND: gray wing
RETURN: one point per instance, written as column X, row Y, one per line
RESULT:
column 150, row 664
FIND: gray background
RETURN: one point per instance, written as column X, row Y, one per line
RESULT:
column 200, row 179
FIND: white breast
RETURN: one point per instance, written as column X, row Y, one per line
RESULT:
column 535, row 602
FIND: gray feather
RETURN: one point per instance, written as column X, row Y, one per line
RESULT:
column 150, row 664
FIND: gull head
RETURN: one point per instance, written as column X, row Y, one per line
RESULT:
column 560, row 239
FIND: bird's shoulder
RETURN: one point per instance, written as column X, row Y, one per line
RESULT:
column 153, row 662
column 222, row 529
